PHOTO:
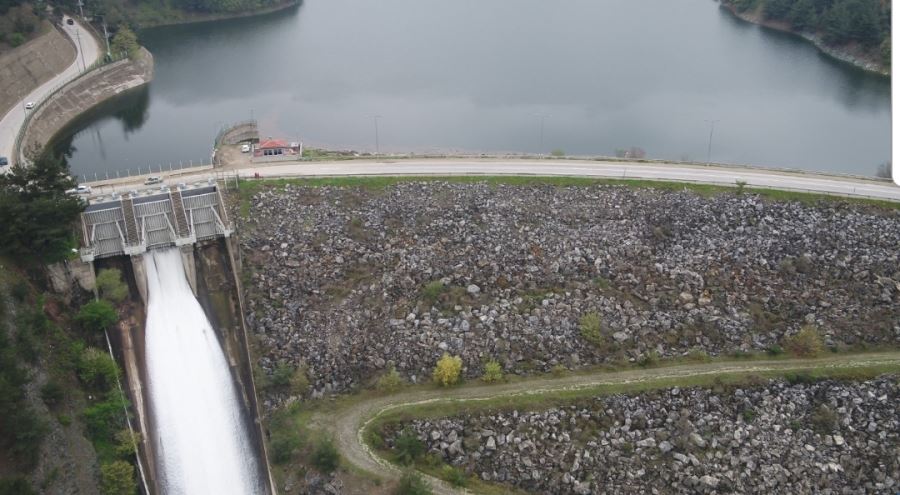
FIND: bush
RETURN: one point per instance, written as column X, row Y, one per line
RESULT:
column 52, row 393
column 493, row 372
column 117, row 478
column 447, row 371
column 96, row 316
column 106, row 417
column 824, row 420
column 590, row 326
column 125, row 442
column 283, row 448
column 457, row 477
column 326, row 457
column 432, row 291
column 650, row 358
column 124, row 42
column 16, row 39
column 111, row 286
column 16, row 486
column 411, row 483
column 391, row 381
column 806, row 343
column 558, row 153
column 97, row 370
column 408, row 447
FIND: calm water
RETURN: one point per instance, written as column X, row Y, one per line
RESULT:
column 475, row 75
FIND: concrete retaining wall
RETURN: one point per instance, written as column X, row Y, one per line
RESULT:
column 82, row 94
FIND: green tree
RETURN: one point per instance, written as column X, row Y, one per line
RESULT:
column 96, row 316
column 36, row 213
column 493, row 372
column 408, row 447
column 124, row 42
column 411, row 483
column 805, row 343
column 590, row 327
column 391, row 381
column 326, row 457
column 447, row 371
column 117, row 478
column 97, row 370
column 111, row 286
column 803, row 15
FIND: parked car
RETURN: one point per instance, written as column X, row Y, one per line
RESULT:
column 29, row 105
column 69, row 21
column 153, row 179
column 4, row 161
column 245, row 148
column 81, row 189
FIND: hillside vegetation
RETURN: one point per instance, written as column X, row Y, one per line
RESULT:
column 865, row 23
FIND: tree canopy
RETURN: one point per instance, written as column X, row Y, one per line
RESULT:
column 36, row 212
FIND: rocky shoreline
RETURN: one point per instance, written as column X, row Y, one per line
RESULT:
column 839, row 53
column 345, row 282
column 773, row 437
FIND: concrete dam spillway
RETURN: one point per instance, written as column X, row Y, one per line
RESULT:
column 201, row 439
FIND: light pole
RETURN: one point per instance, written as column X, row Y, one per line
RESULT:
column 541, row 116
column 712, row 127
column 377, row 145
column 106, row 37
column 78, row 37
column 81, row 8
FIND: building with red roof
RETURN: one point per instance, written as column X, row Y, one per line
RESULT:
column 277, row 149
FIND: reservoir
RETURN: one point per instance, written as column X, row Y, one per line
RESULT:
column 588, row 77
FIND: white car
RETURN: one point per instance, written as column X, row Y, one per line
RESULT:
column 245, row 148
column 29, row 105
column 81, row 189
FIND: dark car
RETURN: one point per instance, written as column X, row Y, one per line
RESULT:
column 69, row 21
column 3, row 161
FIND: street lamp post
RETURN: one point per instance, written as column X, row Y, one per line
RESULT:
column 78, row 37
column 377, row 144
column 712, row 127
column 541, row 116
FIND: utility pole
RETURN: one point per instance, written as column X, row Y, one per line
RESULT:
column 541, row 116
column 81, row 8
column 377, row 145
column 712, row 127
column 106, row 37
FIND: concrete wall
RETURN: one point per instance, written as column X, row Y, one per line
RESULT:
column 82, row 94
column 238, row 133
column 26, row 67
column 65, row 276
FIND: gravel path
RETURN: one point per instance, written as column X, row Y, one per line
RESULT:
column 348, row 423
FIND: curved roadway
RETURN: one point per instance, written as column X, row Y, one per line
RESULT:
column 87, row 51
column 347, row 424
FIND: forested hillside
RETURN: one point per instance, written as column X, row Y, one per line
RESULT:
column 864, row 23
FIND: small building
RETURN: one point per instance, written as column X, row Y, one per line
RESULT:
column 276, row 150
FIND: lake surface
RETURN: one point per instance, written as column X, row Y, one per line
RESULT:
column 480, row 76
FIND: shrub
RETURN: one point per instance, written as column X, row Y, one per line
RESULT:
column 299, row 381
column 775, row 350
column 559, row 370
column 16, row 486
column 558, row 152
column 650, row 358
column 740, row 186
column 391, row 381
column 447, row 371
column 117, row 478
column 106, row 417
column 806, row 343
column 52, row 393
column 824, row 420
column 97, row 370
column 125, row 442
column 411, row 483
column 124, row 42
column 590, row 328
column 326, row 457
column 290, row 378
column 283, row 448
column 432, row 291
column 408, row 447
column 111, row 286
column 16, row 39
column 96, row 316
column 457, row 477
column 493, row 372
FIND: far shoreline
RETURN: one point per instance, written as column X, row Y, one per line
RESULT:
column 204, row 18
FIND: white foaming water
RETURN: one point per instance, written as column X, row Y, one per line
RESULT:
column 201, row 442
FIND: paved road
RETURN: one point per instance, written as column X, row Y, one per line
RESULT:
column 347, row 423
column 755, row 177
column 12, row 121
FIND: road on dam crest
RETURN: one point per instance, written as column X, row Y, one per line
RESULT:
column 87, row 51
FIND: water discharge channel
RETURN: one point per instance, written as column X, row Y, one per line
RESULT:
column 200, row 435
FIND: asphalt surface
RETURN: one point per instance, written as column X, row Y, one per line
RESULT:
column 347, row 423
column 721, row 175
column 85, row 46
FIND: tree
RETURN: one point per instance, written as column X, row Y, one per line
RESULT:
column 590, row 326
column 117, row 478
column 447, row 371
column 96, row 316
column 805, row 343
column 326, row 457
column 124, row 42
column 36, row 213
column 391, row 381
column 411, row 483
column 803, row 15
column 97, row 370
column 111, row 286
column 408, row 447
column 493, row 372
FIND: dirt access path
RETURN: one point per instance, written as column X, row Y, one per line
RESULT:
column 347, row 423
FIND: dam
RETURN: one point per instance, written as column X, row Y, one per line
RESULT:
column 187, row 363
